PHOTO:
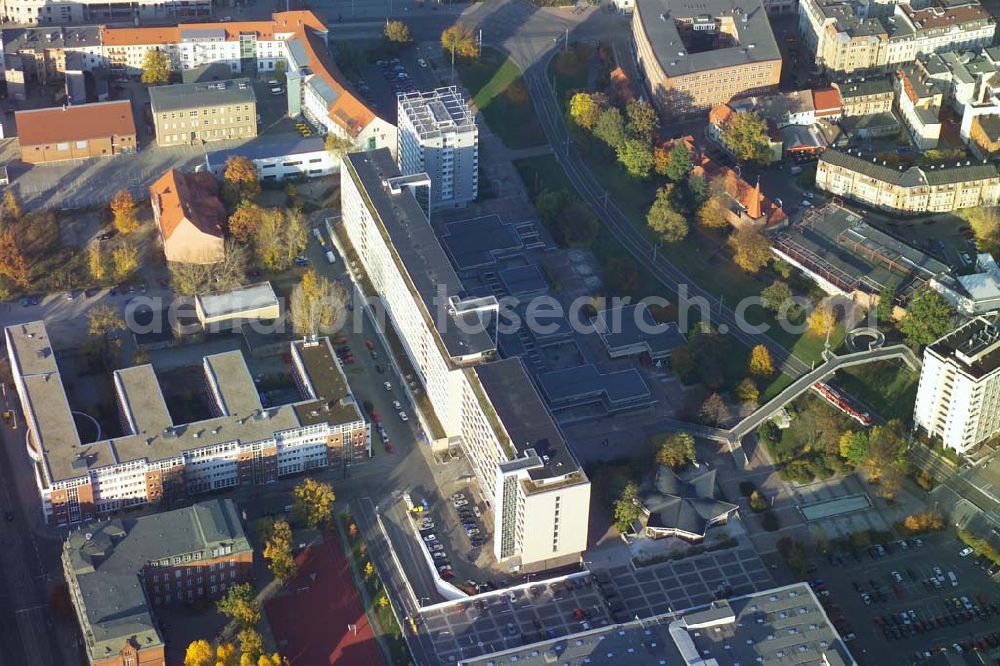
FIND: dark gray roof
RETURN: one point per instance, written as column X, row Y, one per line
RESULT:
column 687, row 504
column 753, row 32
column 914, row 176
column 410, row 236
column 200, row 95
column 476, row 243
column 632, row 325
column 525, row 417
column 523, row 280
column 50, row 37
column 586, row 384
column 863, row 87
column 106, row 559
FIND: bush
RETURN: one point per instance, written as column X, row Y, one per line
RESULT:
column 758, row 502
column 928, row 520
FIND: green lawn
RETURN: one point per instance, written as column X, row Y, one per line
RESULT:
column 499, row 92
column 890, row 388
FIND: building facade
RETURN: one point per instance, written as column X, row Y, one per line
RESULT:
column 47, row 12
column 244, row 444
column 913, row 190
column 865, row 96
column 119, row 571
column 958, row 396
column 919, row 99
column 538, row 491
column 846, row 39
column 104, row 129
column 704, row 53
column 437, row 135
column 280, row 157
column 189, row 113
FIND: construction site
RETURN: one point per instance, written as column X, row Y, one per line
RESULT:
column 844, row 255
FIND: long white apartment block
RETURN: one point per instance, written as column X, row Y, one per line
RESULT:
column 155, row 459
column 437, row 135
column 958, row 397
column 539, row 493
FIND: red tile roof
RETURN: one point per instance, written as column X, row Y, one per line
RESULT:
column 75, row 123
column 189, row 196
column 827, row 102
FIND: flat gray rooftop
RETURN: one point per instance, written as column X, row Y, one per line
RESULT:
column 182, row 96
column 752, row 30
column 524, row 280
column 525, row 417
column 634, row 325
column 232, row 384
column 244, row 299
column 477, row 243
column 587, row 384
column 783, row 625
column 423, row 261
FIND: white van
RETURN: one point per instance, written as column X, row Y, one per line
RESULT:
column 331, row 257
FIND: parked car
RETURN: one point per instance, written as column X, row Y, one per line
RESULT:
column 965, row 552
column 403, row 417
column 458, row 503
column 387, row 386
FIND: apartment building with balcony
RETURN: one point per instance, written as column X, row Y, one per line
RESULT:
column 537, row 489
column 934, row 189
column 958, row 396
column 194, row 113
column 119, row 571
column 437, row 135
column 156, row 459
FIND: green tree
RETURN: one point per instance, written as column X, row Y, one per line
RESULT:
column 746, row 136
column 676, row 451
column 637, row 157
column 680, row 164
column 627, row 509
column 854, row 447
column 664, row 220
column 751, row 249
column 313, row 503
column 985, row 223
column 155, row 67
column 584, row 108
column 697, row 188
column 240, row 605
column 610, row 127
column 928, row 317
column 643, row 123
column 397, row 32
column 777, row 297
column 886, row 448
column 459, row 40
column 886, row 302
column 278, row 550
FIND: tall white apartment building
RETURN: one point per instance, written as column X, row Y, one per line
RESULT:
column 155, row 459
column 958, row 398
column 539, row 494
column 437, row 135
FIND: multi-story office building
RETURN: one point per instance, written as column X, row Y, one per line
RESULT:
column 845, row 38
column 119, row 571
column 47, row 12
column 437, row 135
column 295, row 40
column 958, row 397
column 187, row 113
column 154, row 458
column 697, row 54
column 940, row 189
column 538, row 491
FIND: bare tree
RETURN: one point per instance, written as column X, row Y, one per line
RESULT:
column 190, row 279
column 317, row 305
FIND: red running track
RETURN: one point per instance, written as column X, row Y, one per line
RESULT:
column 313, row 624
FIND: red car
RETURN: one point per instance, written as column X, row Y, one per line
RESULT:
column 348, row 360
column 370, row 345
column 388, row 447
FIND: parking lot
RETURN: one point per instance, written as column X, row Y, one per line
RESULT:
column 683, row 584
column 897, row 604
column 520, row 616
column 455, row 533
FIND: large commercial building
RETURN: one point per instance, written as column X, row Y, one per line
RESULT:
column 294, row 40
column 915, row 189
column 438, row 136
column 784, row 625
column 188, row 113
column 844, row 38
column 958, row 397
column 104, row 129
column 538, row 491
column 49, row 12
column 697, row 54
column 119, row 571
column 155, row 458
